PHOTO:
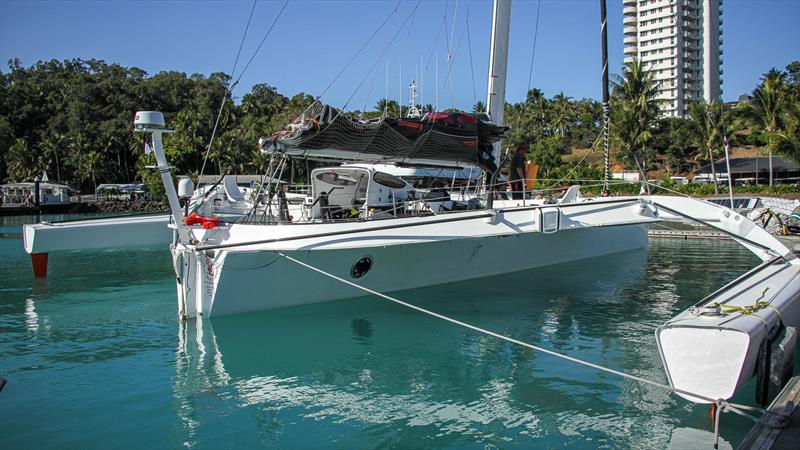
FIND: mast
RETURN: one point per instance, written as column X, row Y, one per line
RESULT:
column 498, row 65
column 604, row 40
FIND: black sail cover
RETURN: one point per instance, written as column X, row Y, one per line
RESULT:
column 449, row 139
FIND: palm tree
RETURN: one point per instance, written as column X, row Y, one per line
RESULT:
column 766, row 109
column 635, row 112
column 388, row 108
column 787, row 141
column 479, row 107
column 92, row 166
column 50, row 145
column 21, row 163
column 706, row 133
column 562, row 113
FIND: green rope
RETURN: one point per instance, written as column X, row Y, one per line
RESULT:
column 752, row 309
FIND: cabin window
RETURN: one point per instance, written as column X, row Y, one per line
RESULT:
column 335, row 179
column 388, row 180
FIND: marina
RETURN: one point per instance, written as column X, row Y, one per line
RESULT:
column 354, row 372
column 262, row 270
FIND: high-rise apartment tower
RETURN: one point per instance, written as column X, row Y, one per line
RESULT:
column 679, row 40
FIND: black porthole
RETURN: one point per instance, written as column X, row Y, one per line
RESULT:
column 361, row 267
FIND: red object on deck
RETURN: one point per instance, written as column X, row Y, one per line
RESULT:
column 208, row 223
column 39, row 261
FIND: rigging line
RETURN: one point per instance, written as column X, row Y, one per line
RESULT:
column 228, row 88
column 377, row 60
column 358, row 52
column 533, row 52
column 369, row 92
column 510, row 339
column 450, row 55
column 408, row 35
column 269, row 31
column 444, row 18
column 471, row 65
column 455, row 17
column 433, row 47
column 449, row 62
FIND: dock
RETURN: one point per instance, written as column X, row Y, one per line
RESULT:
column 687, row 234
column 765, row 437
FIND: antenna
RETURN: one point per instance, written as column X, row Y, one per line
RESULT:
column 413, row 111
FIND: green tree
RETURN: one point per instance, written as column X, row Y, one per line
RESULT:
column 547, row 154
column 21, row 163
column 562, row 114
column 708, row 120
column 635, row 111
column 787, row 140
column 388, row 108
column 767, row 109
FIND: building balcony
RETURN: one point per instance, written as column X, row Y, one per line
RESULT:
column 692, row 15
column 630, row 40
column 628, row 59
column 629, row 31
column 628, row 10
column 629, row 2
column 629, row 20
column 630, row 50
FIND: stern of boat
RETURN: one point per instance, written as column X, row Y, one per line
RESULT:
column 712, row 362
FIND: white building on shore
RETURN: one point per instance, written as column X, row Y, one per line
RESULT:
column 681, row 41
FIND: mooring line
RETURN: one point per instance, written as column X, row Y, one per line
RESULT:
column 500, row 336
column 721, row 404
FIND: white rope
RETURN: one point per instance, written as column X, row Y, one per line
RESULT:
column 498, row 336
column 722, row 405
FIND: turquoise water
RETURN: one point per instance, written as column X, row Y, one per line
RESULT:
column 95, row 358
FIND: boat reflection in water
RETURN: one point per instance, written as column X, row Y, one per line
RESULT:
column 387, row 373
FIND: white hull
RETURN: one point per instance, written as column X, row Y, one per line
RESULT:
column 250, row 281
column 238, row 268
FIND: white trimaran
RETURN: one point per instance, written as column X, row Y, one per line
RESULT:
column 240, row 267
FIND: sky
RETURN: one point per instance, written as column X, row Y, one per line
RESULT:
column 313, row 41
